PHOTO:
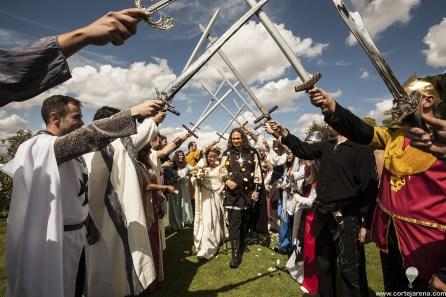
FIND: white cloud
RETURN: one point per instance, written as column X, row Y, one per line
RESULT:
column 256, row 56
column 189, row 109
column 436, row 53
column 305, row 121
column 380, row 108
column 364, row 74
column 10, row 123
column 279, row 92
column 336, row 94
column 112, row 86
column 378, row 15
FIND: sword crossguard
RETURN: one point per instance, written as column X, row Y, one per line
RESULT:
column 267, row 115
column 168, row 107
column 309, row 83
column 190, row 131
column 221, row 136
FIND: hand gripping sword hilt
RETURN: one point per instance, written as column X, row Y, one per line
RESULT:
column 221, row 136
column 306, row 85
column 267, row 115
column 190, row 131
column 168, row 107
column 164, row 22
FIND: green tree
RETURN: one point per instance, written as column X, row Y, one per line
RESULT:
column 318, row 127
column 5, row 181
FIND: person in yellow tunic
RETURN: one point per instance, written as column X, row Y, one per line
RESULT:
column 193, row 155
column 409, row 224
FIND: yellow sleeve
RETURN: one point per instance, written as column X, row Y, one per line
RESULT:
column 381, row 136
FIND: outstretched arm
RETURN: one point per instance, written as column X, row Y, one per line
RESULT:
column 29, row 70
column 170, row 147
column 98, row 134
column 341, row 119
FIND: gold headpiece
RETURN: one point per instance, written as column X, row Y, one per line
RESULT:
column 422, row 85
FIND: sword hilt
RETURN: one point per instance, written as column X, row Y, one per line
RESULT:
column 221, row 136
column 267, row 115
column 306, row 85
column 190, row 131
column 259, row 125
column 168, row 107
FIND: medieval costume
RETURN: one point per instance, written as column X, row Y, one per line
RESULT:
column 28, row 70
column 180, row 206
column 116, row 205
column 242, row 167
column 287, row 184
column 46, row 233
column 302, row 263
column 209, row 221
column 153, row 214
column 409, row 222
column 346, row 192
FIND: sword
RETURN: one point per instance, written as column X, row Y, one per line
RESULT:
column 165, row 22
column 266, row 114
column 205, row 115
column 307, row 81
column 167, row 95
column 214, row 98
column 406, row 105
column 221, row 135
column 202, row 39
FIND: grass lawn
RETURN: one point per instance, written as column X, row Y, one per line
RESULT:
column 260, row 274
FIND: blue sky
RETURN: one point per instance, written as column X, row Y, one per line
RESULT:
column 410, row 33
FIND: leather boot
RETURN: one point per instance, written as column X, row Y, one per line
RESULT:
column 235, row 261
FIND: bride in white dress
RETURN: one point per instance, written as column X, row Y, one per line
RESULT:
column 209, row 222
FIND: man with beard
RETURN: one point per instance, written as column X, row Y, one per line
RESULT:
column 346, row 191
column 48, row 221
column 243, row 181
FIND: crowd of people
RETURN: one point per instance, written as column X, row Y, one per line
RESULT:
column 89, row 200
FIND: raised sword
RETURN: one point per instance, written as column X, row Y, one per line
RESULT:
column 169, row 93
column 406, row 105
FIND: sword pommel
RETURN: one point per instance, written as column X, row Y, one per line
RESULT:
column 306, row 85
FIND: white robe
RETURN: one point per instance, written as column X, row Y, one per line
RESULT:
column 106, row 266
column 209, row 221
column 45, row 197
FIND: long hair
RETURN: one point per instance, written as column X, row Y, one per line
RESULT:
column 245, row 142
column 176, row 159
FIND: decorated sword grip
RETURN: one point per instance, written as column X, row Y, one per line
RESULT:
column 164, row 22
column 306, row 85
column 190, row 131
column 169, row 107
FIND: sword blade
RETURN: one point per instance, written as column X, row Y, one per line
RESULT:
column 159, row 5
column 176, row 86
column 238, row 75
column 202, row 39
column 354, row 22
column 282, row 43
column 213, row 97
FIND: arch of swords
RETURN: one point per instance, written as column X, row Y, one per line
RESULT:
column 214, row 46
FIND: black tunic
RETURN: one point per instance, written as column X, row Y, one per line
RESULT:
column 241, row 169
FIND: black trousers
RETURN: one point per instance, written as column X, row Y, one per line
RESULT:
column 238, row 223
column 337, row 245
column 394, row 274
